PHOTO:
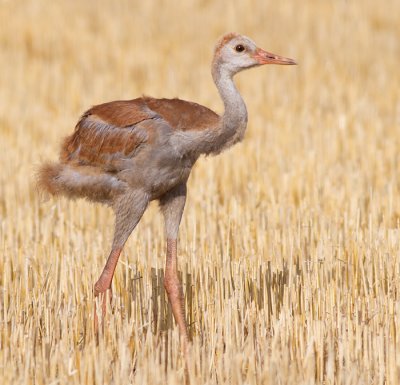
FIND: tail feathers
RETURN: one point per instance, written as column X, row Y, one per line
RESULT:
column 78, row 182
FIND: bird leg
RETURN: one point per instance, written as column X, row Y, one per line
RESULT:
column 172, row 205
column 102, row 287
column 128, row 208
column 174, row 291
column 104, row 282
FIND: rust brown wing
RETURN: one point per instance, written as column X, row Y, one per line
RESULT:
column 116, row 130
column 183, row 115
column 109, row 132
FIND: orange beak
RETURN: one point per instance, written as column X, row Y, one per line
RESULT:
column 264, row 57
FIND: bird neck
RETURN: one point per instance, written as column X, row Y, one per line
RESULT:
column 233, row 122
column 230, row 128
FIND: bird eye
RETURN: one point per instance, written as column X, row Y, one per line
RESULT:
column 239, row 48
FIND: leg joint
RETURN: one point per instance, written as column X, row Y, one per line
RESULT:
column 100, row 287
column 173, row 286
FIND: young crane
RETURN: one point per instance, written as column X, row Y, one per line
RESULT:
column 128, row 153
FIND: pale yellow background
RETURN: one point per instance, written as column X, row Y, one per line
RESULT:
column 291, row 238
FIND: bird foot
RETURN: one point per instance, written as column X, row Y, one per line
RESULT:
column 184, row 344
column 100, row 305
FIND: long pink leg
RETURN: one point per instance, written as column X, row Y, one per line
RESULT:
column 103, row 285
column 104, row 282
column 174, row 290
column 172, row 205
column 129, row 208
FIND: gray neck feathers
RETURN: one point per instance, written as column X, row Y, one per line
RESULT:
column 232, row 125
column 234, row 120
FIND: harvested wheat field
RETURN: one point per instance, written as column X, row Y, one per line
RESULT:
column 289, row 247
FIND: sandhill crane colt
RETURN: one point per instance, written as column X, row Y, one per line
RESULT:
column 130, row 152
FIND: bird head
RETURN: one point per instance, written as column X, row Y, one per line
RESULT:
column 235, row 53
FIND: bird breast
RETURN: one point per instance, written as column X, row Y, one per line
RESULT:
column 158, row 169
column 170, row 169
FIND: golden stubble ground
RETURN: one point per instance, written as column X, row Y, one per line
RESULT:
column 290, row 242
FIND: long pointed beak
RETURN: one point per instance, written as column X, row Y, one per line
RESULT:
column 264, row 57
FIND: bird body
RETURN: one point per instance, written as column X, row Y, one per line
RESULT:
column 127, row 153
column 128, row 144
